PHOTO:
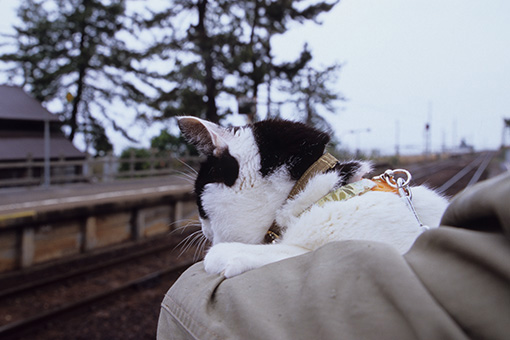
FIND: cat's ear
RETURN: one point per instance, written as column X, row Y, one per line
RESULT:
column 204, row 135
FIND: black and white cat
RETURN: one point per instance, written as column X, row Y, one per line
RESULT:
column 243, row 189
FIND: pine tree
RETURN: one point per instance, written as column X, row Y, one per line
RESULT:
column 223, row 51
column 73, row 55
column 310, row 91
column 195, row 81
column 266, row 19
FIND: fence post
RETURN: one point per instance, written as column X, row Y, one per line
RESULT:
column 86, row 169
column 62, row 165
column 47, row 167
column 152, row 160
column 30, row 170
column 114, row 166
column 107, row 167
column 132, row 164
column 110, row 167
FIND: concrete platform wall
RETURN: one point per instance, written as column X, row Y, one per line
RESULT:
column 33, row 237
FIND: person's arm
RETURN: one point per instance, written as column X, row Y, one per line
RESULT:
column 454, row 283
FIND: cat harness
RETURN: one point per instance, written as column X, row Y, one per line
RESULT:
column 396, row 181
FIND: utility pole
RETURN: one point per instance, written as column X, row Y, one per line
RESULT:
column 397, row 139
column 357, row 133
column 427, row 139
column 506, row 132
column 47, row 167
column 427, row 131
column 504, row 147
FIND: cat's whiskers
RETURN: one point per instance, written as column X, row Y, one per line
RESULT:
column 189, row 174
column 189, row 224
column 188, row 177
column 187, row 241
column 195, row 239
column 188, row 166
column 200, row 248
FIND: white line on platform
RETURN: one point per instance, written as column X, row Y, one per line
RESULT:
column 85, row 198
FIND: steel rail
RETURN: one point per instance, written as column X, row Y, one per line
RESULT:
column 481, row 169
column 77, row 272
column 463, row 172
column 85, row 269
column 23, row 326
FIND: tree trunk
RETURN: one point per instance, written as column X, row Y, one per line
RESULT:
column 83, row 62
column 255, row 75
column 206, row 50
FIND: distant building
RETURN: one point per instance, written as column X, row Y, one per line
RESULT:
column 22, row 140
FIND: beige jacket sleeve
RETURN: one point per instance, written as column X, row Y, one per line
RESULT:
column 453, row 284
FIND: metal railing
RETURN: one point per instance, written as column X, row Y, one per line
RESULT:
column 31, row 171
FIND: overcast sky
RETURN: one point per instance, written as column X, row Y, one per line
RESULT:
column 406, row 63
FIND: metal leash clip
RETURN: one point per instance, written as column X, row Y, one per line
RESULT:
column 389, row 177
column 401, row 183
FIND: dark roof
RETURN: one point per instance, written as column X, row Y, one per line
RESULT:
column 22, row 128
column 17, row 148
column 15, row 104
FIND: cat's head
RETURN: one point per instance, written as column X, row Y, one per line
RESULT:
column 248, row 173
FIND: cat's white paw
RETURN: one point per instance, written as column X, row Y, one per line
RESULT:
column 229, row 259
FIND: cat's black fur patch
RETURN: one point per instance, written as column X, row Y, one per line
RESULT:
column 294, row 144
column 346, row 170
column 222, row 169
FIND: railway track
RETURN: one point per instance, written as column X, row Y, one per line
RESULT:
column 480, row 164
column 18, row 329
column 83, row 270
column 452, row 175
column 29, row 306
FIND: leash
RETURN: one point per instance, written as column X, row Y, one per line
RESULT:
column 389, row 181
column 404, row 191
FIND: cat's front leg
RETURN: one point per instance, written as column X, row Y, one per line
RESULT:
column 231, row 259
